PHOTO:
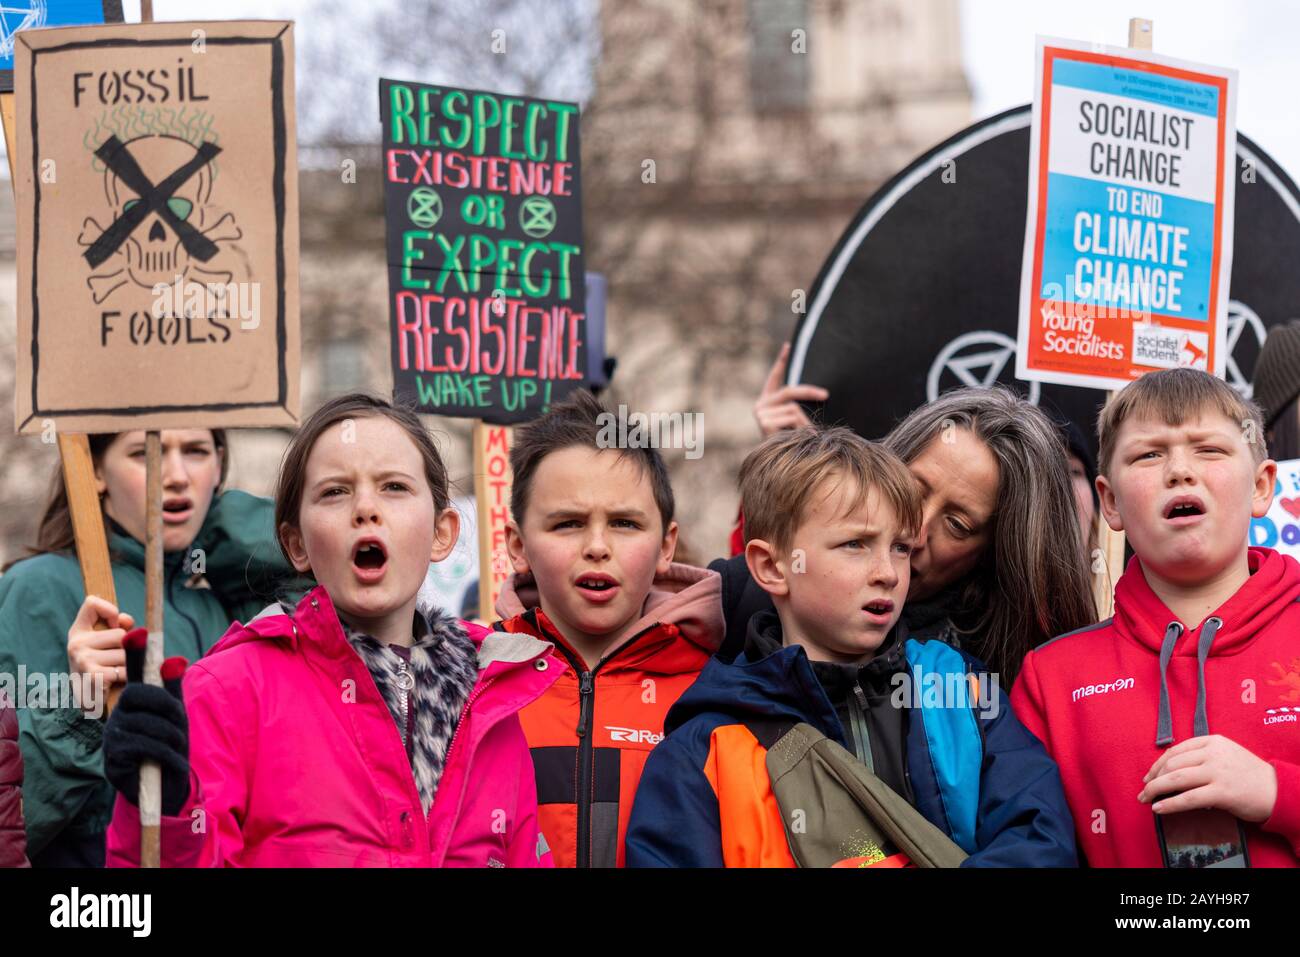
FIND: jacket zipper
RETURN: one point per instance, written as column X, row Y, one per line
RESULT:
column 857, row 711
column 455, row 735
column 586, row 740
column 586, row 757
column 907, row 770
column 451, row 750
column 194, row 625
column 464, row 784
column 405, row 681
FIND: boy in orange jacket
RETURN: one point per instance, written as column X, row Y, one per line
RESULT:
column 592, row 541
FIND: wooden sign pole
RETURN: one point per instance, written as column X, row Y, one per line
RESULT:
column 1139, row 34
column 78, row 471
column 150, row 772
column 1109, row 541
column 492, row 483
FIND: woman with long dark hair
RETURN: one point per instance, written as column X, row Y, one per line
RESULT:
column 999, row 567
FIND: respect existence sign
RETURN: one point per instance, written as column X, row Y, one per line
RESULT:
column 483, row 208
column 1128, row 237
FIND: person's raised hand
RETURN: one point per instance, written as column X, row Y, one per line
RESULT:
column 778, row 406
column 98, row 652
column 1211, row 772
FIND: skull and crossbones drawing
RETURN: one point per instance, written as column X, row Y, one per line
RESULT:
column 163, row 226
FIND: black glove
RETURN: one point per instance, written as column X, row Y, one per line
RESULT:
column 149, row 723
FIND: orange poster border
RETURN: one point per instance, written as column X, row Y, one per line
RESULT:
column 1050, row 55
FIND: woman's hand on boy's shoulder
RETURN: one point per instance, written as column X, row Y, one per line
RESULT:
column 1211, row 772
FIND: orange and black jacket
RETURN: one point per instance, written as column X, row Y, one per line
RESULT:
column 591, row 732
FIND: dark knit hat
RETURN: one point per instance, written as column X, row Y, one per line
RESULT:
column 1277, row 371
column 1077, row 444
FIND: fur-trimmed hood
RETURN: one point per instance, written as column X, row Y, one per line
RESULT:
column 685, row 596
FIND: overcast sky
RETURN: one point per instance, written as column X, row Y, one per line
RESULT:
column 1257, row 37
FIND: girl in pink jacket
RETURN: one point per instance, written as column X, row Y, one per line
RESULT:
column 354, row 729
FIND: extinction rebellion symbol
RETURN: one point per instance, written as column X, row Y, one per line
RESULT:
column 537, row 216
column 424, row 206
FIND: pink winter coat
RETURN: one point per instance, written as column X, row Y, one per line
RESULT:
column 296, row 761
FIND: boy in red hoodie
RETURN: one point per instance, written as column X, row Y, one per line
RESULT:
column 592, row 542
column 1189, row 698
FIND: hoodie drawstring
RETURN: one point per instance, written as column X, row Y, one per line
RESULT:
column 1165, row 722
column 1201, row 723
column 1201, row 727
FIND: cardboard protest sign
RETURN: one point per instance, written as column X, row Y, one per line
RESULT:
column 920, row 293
column 483, row 206
column 1280, row 528
column 157, row 203
column 493, row 480
column 34, row 14
column 1128, row 235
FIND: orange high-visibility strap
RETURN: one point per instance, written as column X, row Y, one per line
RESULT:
column 753, row 832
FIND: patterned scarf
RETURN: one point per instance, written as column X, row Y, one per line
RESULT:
column 444, row 663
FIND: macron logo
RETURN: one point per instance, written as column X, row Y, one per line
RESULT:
column 1120, row 684
column 633, row 735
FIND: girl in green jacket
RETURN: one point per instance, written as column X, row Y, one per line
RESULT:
column 221, row 563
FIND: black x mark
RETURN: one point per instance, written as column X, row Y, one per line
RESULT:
column 154, row 198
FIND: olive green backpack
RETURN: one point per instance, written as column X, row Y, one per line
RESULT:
column 837, row 813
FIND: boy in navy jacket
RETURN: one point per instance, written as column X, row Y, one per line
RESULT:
column 829, row 524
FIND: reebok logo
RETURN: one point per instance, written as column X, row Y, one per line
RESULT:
column 634, row 735
column 1119, row 684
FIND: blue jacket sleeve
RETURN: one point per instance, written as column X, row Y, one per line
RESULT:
column 675, row 820
column 1024, row 820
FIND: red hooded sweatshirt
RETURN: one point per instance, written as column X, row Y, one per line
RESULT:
column 1096, row 700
